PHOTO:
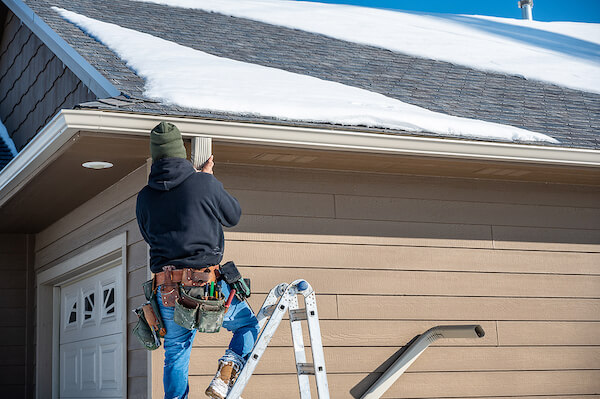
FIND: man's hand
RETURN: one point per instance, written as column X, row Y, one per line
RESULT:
column 208, row 165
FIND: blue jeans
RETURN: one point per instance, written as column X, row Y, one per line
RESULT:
column 239, row 319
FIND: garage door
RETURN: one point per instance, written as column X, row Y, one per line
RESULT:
column 92, row 337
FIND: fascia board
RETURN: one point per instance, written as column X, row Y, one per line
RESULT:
column 89, row 75
column 303, row 137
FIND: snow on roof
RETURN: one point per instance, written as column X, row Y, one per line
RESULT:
column 183, row 76
column 562, row 53
column 5, row 137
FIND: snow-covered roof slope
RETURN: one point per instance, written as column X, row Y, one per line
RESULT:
column 562, row 53
column 186, row 77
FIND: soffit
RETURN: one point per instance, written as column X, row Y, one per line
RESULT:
column 63, row 184
column 402, row 164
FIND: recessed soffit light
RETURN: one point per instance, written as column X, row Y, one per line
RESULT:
column 97, row 165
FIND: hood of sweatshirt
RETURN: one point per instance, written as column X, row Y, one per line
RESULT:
column 168, row 173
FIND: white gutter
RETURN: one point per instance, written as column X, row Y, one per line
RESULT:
column 67, row 123
column 89, row 75
column 319, row 138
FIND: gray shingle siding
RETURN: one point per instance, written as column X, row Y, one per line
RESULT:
column 571, row 116
column 34, row 83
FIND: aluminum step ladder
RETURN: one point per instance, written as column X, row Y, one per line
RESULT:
column 284, row 298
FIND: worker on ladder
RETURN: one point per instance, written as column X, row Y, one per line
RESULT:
column 180, row 214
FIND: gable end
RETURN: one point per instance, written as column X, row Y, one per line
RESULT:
column 34, row 82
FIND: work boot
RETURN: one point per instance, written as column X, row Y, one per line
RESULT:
column 223, row 381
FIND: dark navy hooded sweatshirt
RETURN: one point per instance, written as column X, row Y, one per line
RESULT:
column 181, row 213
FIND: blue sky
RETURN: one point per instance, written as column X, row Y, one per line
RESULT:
column 543, row 10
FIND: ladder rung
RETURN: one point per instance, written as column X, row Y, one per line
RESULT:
column 297, row 314
column 306, row 368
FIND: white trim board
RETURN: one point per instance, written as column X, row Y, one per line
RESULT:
column 330, row 139
column 83, row 260
column 89, row 75
column 64, row 127
column 109, row 253
column 318, row 138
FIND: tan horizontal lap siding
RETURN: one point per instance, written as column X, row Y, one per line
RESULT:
column 378, row 208
column 392, row 256
column 345, row 231
column 279, row 360
column 404, row 257
column 434, row 384
column 110, row 213
column 396, row 282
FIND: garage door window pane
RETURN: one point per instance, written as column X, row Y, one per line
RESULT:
column 73, row 314
column 108, row 308
column 88, row 311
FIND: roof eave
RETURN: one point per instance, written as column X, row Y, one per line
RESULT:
column 338, row 139
column 37, row 153
column 44, row 147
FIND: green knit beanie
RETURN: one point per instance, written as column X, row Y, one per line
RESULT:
column 166, row 142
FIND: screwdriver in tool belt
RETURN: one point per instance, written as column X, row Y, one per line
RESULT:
column 229, row 299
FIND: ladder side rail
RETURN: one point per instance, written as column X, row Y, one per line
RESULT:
column 299, row 350
column 415, row 350
column 259, row 348
column 268, row 306
column 316, row 344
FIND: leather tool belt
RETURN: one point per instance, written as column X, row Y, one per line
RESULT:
column 170, row 279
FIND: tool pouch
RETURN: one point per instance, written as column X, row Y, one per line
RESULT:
column 143, row 332
column 186, row 309
column 170, row 289
column 233, row 277
column 191, row 311
column 210, row 315
column 242, row 289
column 152, row 298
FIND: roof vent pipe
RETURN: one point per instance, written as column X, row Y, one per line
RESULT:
column 526, row 9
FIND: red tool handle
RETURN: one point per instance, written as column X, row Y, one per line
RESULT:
column 231, row 295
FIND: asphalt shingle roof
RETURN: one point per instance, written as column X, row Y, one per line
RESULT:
column 571, row 116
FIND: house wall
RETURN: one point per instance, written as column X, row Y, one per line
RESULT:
column 110, row 213
column 391, row 256
column 34, row 83
column 16, row 323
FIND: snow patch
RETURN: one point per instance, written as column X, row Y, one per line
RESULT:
column 562, row 53
column 7, row 140
column 179, row 75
